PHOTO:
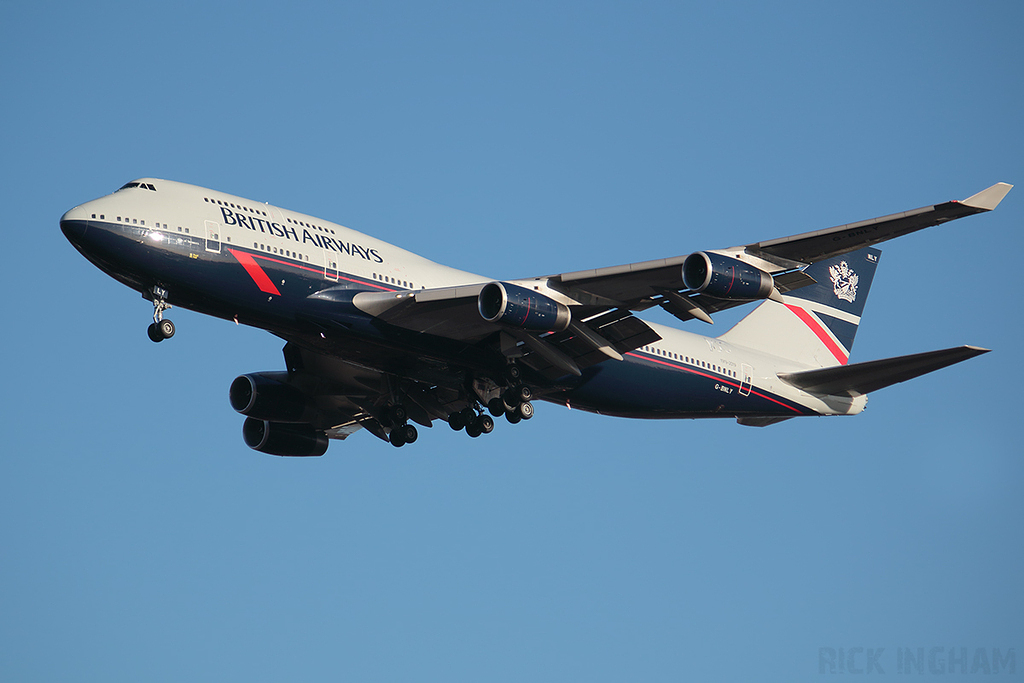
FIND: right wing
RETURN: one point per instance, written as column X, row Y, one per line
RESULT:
column 810, row 247
column 640, row 285
column 601, row 300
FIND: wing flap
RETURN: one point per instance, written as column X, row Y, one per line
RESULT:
column 620, row 329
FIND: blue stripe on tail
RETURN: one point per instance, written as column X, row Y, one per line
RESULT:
column 842, row 283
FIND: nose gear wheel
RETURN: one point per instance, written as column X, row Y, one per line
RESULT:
column 160, row 329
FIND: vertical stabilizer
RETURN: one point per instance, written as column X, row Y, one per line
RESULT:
column 815, row 324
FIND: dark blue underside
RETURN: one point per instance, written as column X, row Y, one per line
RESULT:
column 217, row 284
column 649, row 386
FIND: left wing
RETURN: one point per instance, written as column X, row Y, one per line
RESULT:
column 588, row 334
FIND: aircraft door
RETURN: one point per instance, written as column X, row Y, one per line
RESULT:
column 213, row 237
column 331, row 265
column 747, row 379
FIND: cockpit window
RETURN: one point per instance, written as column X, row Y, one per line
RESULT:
column 144, row 186
column 127, row 185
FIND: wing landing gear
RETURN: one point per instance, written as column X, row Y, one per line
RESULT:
column 396, row 416
column 403, row 435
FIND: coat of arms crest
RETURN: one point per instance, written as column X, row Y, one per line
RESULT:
column 844, row 281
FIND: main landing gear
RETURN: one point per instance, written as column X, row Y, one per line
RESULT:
column 401, row 431
column 475, row 423
column 513, row 403
column 160, row 329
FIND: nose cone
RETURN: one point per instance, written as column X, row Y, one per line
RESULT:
column 74, row 225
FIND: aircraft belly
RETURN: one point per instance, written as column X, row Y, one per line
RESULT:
column 641, row 387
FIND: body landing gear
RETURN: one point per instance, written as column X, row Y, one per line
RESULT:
column 513, row 402
column 160, row 329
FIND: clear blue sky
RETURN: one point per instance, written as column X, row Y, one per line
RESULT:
column 142, row 541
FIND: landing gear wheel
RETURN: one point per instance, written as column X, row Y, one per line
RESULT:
column 496, row 406
column 468, row 415
column 166, row 328
column 513, row 373
column 409, row 433
column 523, row 393
column 455, row 421
column 154, row 333
column 397, row 437
column 486, row 423
column 513, row 417
column 398, row 414
column 394, row 416
column 474, row 429
column 525, row 410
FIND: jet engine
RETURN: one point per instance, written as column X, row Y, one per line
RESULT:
column 501, row 302
column 279, row 438
column 265, row 397
column 725, row 277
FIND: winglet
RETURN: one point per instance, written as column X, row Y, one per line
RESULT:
column 988, row 199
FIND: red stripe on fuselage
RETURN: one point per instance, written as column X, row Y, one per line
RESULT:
column 255, row 272
column 821, row 333
column 721, row 380
column 319, row 271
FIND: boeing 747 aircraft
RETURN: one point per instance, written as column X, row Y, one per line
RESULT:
column 378, row 338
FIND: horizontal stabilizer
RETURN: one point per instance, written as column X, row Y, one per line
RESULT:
column 863, row 378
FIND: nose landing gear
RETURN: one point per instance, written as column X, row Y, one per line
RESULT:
column 160, row 329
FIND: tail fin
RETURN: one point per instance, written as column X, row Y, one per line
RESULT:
column 817, row 323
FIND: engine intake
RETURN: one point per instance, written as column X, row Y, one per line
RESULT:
column 278, row 438
column 725, row 277
column 265, row 397
column 508, row 304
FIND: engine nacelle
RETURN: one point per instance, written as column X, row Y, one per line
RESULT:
column 279, row 438
column 501, row 302
column 264, row 397
column 725, row 277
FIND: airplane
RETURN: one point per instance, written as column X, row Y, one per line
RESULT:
column 379, row 338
